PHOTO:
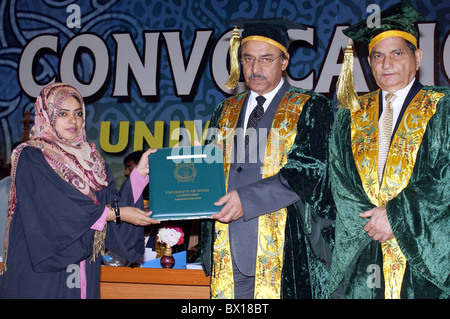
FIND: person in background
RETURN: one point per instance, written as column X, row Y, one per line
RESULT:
column 389, row 158
column 64, row 208
column 130, row 161
column 271, row 238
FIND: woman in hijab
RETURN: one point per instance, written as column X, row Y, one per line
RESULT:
column 64, row 208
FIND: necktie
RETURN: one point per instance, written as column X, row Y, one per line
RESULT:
column 255, row 117
column 385, row 134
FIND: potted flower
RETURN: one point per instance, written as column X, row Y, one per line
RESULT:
column 169, row 236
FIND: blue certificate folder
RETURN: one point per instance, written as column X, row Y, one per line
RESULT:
column 185, row 182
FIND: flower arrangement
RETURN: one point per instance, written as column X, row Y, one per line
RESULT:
column 170, row 235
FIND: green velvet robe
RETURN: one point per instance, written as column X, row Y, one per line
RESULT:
column 305, row 274
column 419, row 216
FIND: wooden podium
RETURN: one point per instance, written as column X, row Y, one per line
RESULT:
column 153, row 283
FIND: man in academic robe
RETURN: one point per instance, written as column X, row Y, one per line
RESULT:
column 389, row 161
column 271, row 238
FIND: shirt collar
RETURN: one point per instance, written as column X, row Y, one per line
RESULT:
column 269, row 96
column 401, row 94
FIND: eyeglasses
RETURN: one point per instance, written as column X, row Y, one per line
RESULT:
column 247, row 61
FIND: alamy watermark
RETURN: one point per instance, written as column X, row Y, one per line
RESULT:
column 374, row 278
column 74, row 19
column 257, row 145
column 74, row 279
column 374, row 19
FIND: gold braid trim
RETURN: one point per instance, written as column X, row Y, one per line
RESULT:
column 267, row 40
column 99, row 243
column 392, row 33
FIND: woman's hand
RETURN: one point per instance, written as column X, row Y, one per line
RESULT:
column 142, row 166
column 136, row 216
column 133, row 216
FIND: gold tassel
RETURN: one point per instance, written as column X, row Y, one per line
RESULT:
column 346, row 93
column 235, row 42
column 99, row 244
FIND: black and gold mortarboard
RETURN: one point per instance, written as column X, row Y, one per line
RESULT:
column 270, row 30
column 395, row 21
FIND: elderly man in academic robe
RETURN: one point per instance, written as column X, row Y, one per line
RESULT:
column 389, row 158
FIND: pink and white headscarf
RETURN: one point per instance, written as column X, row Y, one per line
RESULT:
column 76, row 161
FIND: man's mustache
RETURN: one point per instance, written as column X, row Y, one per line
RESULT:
column 257, row 76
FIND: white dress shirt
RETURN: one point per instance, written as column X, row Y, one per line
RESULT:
column 252, row 101
column 397, row 103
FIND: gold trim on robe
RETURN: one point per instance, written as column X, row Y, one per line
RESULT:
column 399, row 165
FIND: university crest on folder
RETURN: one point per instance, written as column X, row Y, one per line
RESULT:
column 185, row 172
